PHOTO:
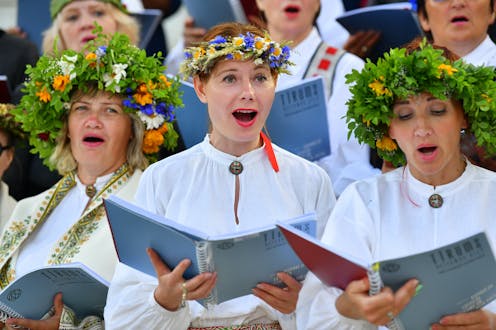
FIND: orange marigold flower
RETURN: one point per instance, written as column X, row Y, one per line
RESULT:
column 142, row 96
column 386, row 143
column 163, row 129
column 152, row 140
column 446, row 68
column 44, row 95
column 165, row 81
column 91, row 56
column 60, row 82
column 379, row 88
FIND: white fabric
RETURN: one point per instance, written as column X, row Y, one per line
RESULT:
column 195, row 188
column 389, row 216
column 349, row 160
column 7, row 204
column 484, row 54
column 330, row 30
column 98, row 253
column 37, row 247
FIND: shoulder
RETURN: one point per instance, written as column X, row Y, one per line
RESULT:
column 349, row 62
column 295, row 165
column 179, row 161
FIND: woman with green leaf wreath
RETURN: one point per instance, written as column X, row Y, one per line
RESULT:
column 413, row 106
column 97, row 116
column 10, row 134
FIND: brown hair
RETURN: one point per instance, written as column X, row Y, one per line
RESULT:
column 232, row 29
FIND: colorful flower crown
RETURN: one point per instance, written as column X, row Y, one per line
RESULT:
column 398, row 75
column 8, row 122
column 202, row 58
column 57, row 5
column 112, row 64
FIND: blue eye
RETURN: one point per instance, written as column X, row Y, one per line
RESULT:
column 229, row 78
column 261, row 78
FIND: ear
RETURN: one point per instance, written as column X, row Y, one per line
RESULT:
column 424, row 22
column 260, row 5
column 200, row 89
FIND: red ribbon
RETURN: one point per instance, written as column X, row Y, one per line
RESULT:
column 269, row 151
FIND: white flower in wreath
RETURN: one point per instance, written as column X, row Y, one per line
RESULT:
column 151, row 122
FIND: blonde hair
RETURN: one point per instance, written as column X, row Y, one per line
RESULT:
column 126, row 24
column 63, row 159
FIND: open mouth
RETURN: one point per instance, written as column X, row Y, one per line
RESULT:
column 459, row 19
column 245, row 115
column 427, row 150
column 89, row 38
column 292, row 9
column 92, row 139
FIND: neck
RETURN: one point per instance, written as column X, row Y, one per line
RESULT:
column 296, row 36
column 234, row 148
column 463, row 48
column 442, row 178
column 89, row 175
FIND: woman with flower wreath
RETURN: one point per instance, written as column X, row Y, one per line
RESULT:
column 234, row 180
column 412, row 106
column 10, row 133
column 98, row 117
column 73, row 24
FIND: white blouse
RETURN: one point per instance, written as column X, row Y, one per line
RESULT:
column 195, row 188
column 35, row 250
column 388, row 217
column 349, row 160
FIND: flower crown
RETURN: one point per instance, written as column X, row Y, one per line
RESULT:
column 57, row 5
column 202, row 58
column 398, row 75
column 113, row 65
column 8, row 122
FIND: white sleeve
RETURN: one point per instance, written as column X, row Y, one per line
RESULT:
column 316, row 308
column 316, row 303
column 175, row 57
column 131, row 305
column 349, row 160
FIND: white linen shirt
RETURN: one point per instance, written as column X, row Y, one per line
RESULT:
column 388, row 217
column 195, row 188
column 484, row 54
column 349, row 160
column 7, row 204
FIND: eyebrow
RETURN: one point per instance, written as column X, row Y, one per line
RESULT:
column 430, row 98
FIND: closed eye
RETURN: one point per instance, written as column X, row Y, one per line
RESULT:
column 438, row 112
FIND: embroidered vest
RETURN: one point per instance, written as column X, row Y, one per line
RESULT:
column 67, row 246
column 323, row 63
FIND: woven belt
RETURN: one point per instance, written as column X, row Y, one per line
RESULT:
column 258, row 326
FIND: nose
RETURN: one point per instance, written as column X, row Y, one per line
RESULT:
column 248, row 93
column 86, row 21
column 93, row 121
column 422, row 127
column 458, row 3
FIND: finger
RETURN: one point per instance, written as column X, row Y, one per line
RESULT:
column 282, row 306
column 359, row 286
column 290, row 281
column 24, row 323
column 204, row 289
column 58, row 304
column 189, row 22
column 404, row 295
column 159, row 266
column 180, row 269
column 471, row 318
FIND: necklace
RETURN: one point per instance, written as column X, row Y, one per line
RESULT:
column 90, row 190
